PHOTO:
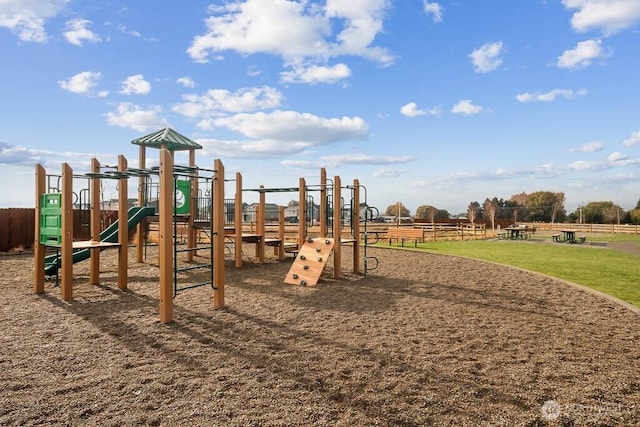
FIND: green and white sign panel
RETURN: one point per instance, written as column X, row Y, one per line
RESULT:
column 183, row 197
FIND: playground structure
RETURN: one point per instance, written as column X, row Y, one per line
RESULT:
column 192, row 196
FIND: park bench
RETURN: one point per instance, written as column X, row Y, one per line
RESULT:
column 402, row 234
column 557, row 237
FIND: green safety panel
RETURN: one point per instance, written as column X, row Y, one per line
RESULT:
column 51, row 218
column 183, row 197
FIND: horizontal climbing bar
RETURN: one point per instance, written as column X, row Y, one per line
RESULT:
column 194, row 249
column 194, row 267
column 194, row 285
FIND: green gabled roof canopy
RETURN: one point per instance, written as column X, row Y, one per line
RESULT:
column 169, row 137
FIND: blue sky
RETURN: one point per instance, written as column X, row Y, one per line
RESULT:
column 426, row 102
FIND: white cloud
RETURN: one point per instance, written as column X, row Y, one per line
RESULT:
column 316, row 74
column 216, row 102
column 293, row 127
column 339, row 160
column 466, row 107
column 17, row 155
column 253, row 71
column 550, row 96
column 411, row 110
column 616, row 156
column 362, row 159
column 589, row 147
column 27, row 18
column 388, row 172
column 135, row 85
column 281, row 133
column 128, row 115
column 583, row 165
column 305, row 31
column 300, row 164
column 488, row 57
column 186, row 82
column 582, row 55
column 248, row 149
column 609, row 16
column 124, row 30
column 634, row 139
column 81, row 83
column 433, row 9
column 76, row 31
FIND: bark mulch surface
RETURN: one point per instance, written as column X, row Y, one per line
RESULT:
column 425, row 339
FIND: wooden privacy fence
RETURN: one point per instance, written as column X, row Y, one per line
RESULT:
column 17, row 226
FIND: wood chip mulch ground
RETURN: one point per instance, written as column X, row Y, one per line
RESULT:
column 425, row 339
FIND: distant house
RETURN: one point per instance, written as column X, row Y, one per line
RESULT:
column 113, row 204
column 291, row 213
column 271, row 213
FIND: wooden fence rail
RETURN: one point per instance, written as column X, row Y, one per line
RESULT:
column 588, row 228
column 17, row 226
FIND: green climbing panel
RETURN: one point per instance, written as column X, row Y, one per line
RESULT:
column 51, row 219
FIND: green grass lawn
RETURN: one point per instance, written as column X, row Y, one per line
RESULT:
column 609, row 271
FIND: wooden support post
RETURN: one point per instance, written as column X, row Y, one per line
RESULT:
column 123, row 225
column 302, row 212
column 66, row 283
column 142, row 195
column 337, row 238
column 165, row 245
column 38, row 248
column 281, row 235
column 237, row 221
column 218, row 234
column 191, row 231
column 262, row 215
column 355, row 225
column 94, row 268
column 323, row 202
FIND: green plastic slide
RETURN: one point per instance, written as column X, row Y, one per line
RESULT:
column 110, row 235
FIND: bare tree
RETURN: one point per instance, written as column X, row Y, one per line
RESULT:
column 490, row 211
column 473, row 211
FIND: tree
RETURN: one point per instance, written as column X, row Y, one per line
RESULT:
column 442, row 214
column 293, row 203
column 426, row 212
column 509, row 209
column 603, row 213
column 398, row 207
column 474, row 212
column 546, row 206
column 490, row 211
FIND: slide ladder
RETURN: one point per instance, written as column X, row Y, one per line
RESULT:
column 308, row 265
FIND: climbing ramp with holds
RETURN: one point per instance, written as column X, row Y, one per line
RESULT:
column 311, row 259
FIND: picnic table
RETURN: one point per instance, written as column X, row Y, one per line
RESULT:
column 568, row 236
column 514, row 232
